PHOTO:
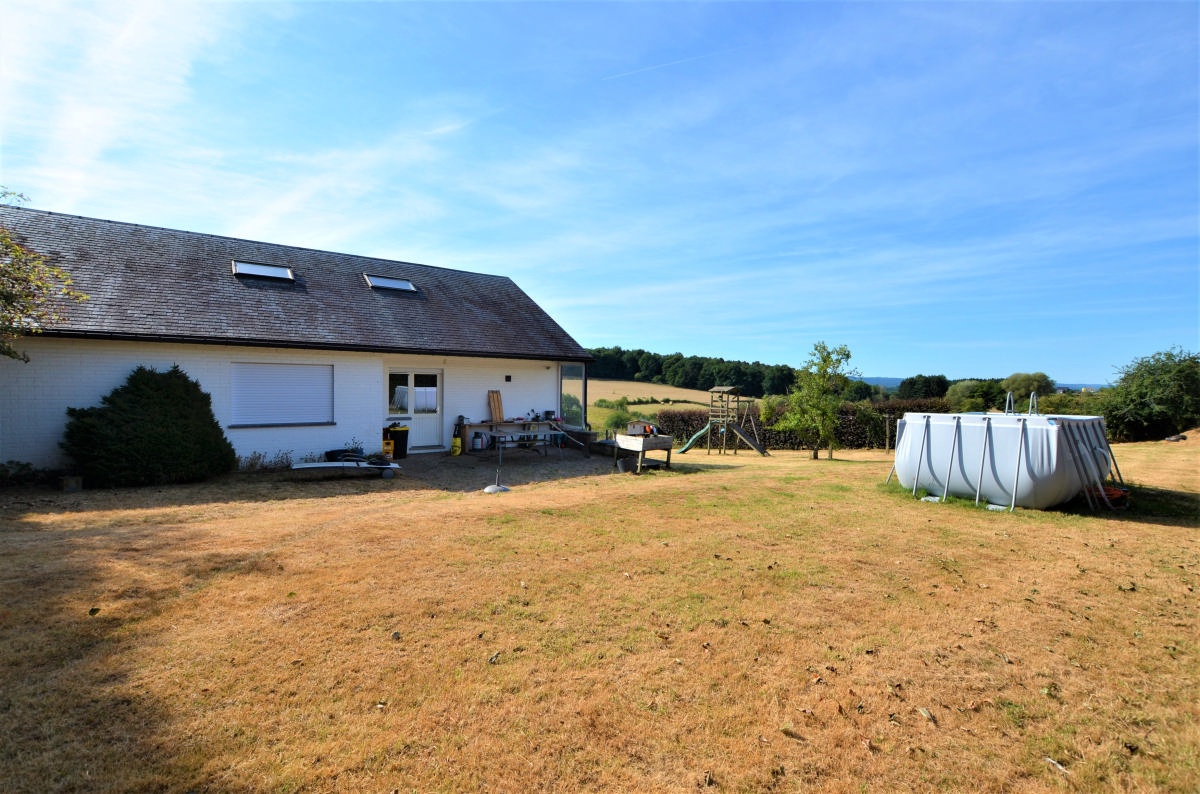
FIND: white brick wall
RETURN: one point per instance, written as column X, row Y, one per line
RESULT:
column 63, row 373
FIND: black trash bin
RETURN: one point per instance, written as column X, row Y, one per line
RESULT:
column 399, row 437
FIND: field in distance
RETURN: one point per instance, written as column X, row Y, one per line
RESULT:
column 612, row 390
column 640, row 390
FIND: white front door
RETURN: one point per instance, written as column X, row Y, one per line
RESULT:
column 415, row 399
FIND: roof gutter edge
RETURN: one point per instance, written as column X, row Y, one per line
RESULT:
column 293, row 345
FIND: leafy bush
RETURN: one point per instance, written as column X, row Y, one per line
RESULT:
column 618, row 420
column 157, row 428
column 1155, row 397
column 1072, row 404
column 17, row 472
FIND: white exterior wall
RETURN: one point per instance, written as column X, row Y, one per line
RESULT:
column 534, row 387
column 63, row 373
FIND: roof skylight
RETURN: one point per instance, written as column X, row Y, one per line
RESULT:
column 387, row 282
column 263, row 271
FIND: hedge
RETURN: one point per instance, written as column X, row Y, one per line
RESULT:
column 861, row 425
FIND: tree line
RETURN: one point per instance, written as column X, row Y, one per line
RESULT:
column 756, row 379
column 690, row 372
column 1155, row 396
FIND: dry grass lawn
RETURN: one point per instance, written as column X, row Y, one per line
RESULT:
column 737, row 624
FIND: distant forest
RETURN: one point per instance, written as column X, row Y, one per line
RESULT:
column 755, row 379
column 690, row 372
column 1155, row 396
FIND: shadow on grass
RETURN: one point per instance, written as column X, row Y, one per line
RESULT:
column 70, row 717
column 445, row 473
column 1159, row 506
column 1147, row 505
column 463, row 473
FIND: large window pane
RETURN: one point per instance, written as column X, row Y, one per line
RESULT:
column 573, row 395
column 398, row 393
column 425, row 393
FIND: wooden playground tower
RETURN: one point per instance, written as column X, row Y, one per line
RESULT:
column 726, row 414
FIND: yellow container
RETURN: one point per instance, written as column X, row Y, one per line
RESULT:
column 389, row 448
column 456, row 446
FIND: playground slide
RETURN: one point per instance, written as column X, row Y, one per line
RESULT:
column 694, row 439
column 754, row 445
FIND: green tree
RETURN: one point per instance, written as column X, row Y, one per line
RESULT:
column 964, row 395
column 31, row 289
column 607, row 363
column 1023, row 384
column 777, row 379
column 649, row 367
column 629, row 364
column 857, row 391
column 991, row 393
column 684, row 372
column 922, row 386
column 814, row 400
column 1155, row 397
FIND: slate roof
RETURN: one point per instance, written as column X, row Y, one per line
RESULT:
column 147, row 283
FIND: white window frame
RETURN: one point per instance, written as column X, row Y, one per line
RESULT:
column 389, row 282
column 280, row 272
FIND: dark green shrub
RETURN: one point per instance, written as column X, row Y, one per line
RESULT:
column 157, row 428
column 1155, row 397
column 16, row 472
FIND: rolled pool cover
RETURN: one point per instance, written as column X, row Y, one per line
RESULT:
column 1034, row 461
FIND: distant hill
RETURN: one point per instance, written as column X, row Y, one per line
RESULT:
column 887, row 383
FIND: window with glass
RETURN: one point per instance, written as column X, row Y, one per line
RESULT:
column 425, row 393
column 412, row 393
column 398, row 393
column 263, row 271
column 387, row 282
column 573, row 395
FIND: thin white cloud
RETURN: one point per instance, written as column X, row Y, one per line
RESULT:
column 808, row 174
column 90, row 81
column 668, row 64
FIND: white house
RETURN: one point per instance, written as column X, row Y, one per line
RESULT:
column 301, row 350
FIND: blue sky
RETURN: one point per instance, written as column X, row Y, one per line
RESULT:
column 967, row 189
